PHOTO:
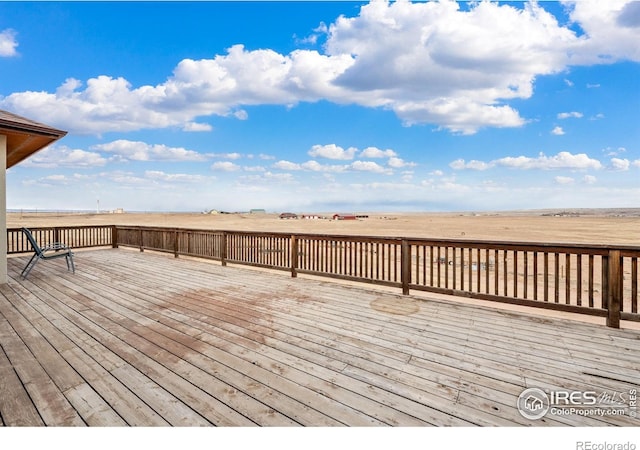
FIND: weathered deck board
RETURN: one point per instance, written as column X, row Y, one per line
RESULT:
column 146, row 339
column 14, row 398
column 49, row 400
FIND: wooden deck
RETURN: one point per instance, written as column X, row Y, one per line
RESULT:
column 145, row 339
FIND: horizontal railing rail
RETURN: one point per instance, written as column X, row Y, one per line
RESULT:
column 598, row 280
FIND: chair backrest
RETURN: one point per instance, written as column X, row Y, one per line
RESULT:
column 32, row 240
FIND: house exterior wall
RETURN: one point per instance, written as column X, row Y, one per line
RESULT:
column 3, row 209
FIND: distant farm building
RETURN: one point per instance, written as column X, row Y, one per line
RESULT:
column 345, row 217
column 288, row 215
column 257, row 211
column 312, row 216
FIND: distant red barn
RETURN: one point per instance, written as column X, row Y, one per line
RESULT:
column 344, row 217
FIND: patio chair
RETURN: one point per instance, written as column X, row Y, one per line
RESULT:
column 51, row 251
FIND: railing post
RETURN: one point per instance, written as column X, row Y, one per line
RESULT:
column 223, row 249
column 114, row 236
column 175, row 243
column 294, row 256
column 405, row 266
column 614, row 288
column 141, row 240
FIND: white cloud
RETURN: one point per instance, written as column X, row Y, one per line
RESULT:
column 614, row 152
column 232, row 155
column 429, row 62
column 636, row 163
column 225, row 166
column 572, row 114
column 449, row 186
column 563, row 180
column 218, row 86
column 312, row 39
column 8, row 43
column 368, row 166
column 610, row 31
column 458, row 164
column 620, row 164
column 312, row 166
column 287, row 165
column 444, row 65
column 158, row 175
column 563, row 160
column 407, row 176
column 374, row 152
column 265, row 179
column 315, row 166
column 558, row 131
column 281, row 177
column 196, row 127
column 197, row 88
column 241, row 114
column 126, row 179
column 589, row 179
column 62, row 156
column 398, row 163
column 359, row 166
column 254, row 169
column 332, row 151
column 461, row 164
column 56, row 178
column 378, row 187
column 141, row 151
column 455, row 67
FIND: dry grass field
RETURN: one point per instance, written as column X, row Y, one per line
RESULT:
column 589, row 227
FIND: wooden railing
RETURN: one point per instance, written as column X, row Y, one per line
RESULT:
column 368, row 259
column 597, row 280
column 75, row 237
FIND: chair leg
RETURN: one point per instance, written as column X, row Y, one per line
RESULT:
column 69, row 258
column 30, row 265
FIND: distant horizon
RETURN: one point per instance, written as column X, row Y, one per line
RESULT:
column 584, row 211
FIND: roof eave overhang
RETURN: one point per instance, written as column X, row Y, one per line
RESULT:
column 25, row 137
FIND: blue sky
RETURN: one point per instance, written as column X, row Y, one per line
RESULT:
column 323, row 106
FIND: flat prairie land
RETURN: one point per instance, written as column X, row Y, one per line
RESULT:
column 586, row 227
